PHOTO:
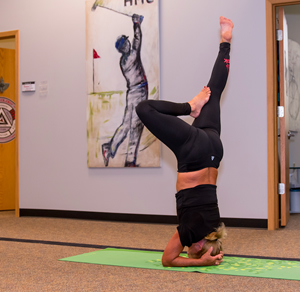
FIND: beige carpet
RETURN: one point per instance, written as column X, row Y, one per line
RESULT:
column 35, row 267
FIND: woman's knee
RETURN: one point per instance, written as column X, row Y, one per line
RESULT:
column 142, row 108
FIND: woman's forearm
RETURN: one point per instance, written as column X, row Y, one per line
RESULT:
column 182, row 262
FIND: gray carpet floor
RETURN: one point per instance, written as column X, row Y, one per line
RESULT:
column 35, row 266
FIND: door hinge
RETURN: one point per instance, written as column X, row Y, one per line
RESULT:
column 280, row 111
column 281, row 189
column 279, row 34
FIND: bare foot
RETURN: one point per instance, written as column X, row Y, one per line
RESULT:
column 226, row 29
column 199, row 101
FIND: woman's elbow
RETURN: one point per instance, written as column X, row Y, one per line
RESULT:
column 166, row 262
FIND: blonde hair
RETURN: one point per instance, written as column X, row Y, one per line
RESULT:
column 214, row 240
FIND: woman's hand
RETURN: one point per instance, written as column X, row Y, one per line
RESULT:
column 208, row 260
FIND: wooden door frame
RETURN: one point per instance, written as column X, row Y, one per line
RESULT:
column 15, row 34
column 272, row 125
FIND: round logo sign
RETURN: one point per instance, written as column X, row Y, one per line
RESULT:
column 7, row 120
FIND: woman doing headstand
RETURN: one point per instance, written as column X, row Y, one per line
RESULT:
column 198, row 150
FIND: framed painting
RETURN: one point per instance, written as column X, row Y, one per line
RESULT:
column 122, row 69
column 294, row 85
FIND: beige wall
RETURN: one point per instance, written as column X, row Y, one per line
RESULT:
column 53, row 171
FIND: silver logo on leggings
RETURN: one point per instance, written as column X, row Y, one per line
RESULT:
column 212, row 158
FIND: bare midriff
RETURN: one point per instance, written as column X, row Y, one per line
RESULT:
column 192, row 179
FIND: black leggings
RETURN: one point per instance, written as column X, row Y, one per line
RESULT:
column 198, row 145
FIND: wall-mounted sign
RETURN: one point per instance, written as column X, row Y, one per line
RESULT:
column 28, row 86
column 7, row 120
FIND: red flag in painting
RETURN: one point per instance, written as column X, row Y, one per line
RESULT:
column 96, row 56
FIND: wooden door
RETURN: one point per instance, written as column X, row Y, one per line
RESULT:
column 7, row 130
column 284, row 121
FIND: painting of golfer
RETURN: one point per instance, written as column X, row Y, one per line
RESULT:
column 122, row 60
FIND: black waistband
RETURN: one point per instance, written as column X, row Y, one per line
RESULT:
column 197, row 196
column 210, row 161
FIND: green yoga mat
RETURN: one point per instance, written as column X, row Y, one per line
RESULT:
column 235, row 266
